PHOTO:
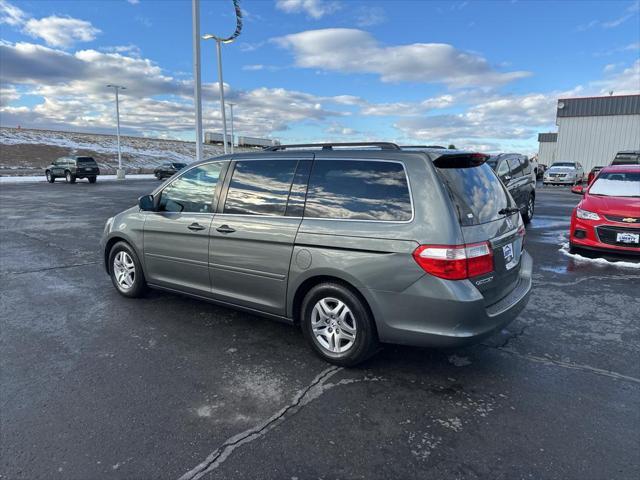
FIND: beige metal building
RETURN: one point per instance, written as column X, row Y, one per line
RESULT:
column 592, row 130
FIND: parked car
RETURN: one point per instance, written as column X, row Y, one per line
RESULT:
column 627, row 157
column 515, row 172
column 564, row 173
column 72, row 168
column 168, row 169
column 608, row 216
column 356, row 243
column 593, row 173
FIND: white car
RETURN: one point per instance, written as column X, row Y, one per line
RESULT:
column 564, row 173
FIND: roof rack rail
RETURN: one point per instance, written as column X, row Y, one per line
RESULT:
column 329, row 146
column 423, row 146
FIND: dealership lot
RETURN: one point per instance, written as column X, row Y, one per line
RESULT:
column 98, row 386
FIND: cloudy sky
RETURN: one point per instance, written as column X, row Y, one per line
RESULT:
column 482, row 75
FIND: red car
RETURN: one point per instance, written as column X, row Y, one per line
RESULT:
column 608, row 217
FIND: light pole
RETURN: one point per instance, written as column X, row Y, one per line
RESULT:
column 197, row 84
column 219, row 42
column 232, row 137
column 220, row 85
column 120, row 172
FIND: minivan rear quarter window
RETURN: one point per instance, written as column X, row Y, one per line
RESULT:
column 475, row 190
column 358, row 190
column 260, row 187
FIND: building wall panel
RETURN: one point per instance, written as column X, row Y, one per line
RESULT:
column 595, row 140
column 547, row 153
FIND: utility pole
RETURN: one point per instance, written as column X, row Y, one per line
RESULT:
column 120, row 174
column 232, row 136
column 197, row 82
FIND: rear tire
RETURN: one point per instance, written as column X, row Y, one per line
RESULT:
column 50, row 177
column 92, row 179
column 126, row 271
column 69, row 177
column 527, row 216
column 338, row 325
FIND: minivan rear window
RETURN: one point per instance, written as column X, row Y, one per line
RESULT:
column 358, row 190
column 476, row 192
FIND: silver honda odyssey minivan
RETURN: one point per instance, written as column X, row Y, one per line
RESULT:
column 357, row 244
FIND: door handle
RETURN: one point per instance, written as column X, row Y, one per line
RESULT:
column 195, row 227
column 225, row 229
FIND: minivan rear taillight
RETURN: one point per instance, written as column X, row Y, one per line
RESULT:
column 455, row 262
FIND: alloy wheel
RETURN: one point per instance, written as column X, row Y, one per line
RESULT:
column 333, row 324
column 124, row 270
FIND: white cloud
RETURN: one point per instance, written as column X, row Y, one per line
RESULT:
column 8, row 94
column 10, row 14
column 134, row 2
column 56, row 31
column 313, row 8
column 622, row 83
column 370, row 16
column 356, row 51
column 61, row 31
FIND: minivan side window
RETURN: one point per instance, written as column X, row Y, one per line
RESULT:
column 358, row 190
column 260, row 187
column 193, row 191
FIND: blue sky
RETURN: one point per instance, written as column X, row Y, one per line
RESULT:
column 482, row 75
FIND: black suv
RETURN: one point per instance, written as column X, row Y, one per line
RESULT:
column 627, row 157
column 71, row 168
column 516, row 173
column 168, row 169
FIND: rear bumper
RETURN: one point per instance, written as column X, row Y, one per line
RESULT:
column 453, row 316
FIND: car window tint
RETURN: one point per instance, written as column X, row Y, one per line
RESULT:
column 514, row 165
column 503, row 168
column 358, row 190
column 260, row 187
column 193, row 191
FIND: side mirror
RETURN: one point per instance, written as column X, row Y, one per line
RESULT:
column 147, row 203
column 578, row 190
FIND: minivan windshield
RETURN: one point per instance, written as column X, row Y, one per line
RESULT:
column 477, row 193
column 616, row 184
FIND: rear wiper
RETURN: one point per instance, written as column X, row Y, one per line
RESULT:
column 508, row 211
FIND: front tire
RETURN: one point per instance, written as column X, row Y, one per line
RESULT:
column 126, row 271
column 158, row 176
column 69, row 177
column 50, row 177
column 338, row 325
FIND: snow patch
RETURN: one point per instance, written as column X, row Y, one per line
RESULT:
column 564, row 249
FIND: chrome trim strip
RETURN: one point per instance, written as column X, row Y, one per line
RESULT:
column 248, row 271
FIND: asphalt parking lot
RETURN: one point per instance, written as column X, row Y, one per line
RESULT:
column 94, row 385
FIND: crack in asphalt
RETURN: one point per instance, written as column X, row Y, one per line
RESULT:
column 580, row 280
column 560, row 363
column 217, row 457
column 48, row 243
column 571, row 365
column 45, row 269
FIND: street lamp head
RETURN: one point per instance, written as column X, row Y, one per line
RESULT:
column 116, row 86
column 209, row 36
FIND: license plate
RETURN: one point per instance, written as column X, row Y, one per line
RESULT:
column 510, row 260
column 626, row 237
column 87, row 169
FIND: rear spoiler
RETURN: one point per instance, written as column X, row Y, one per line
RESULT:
column 460, row 160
